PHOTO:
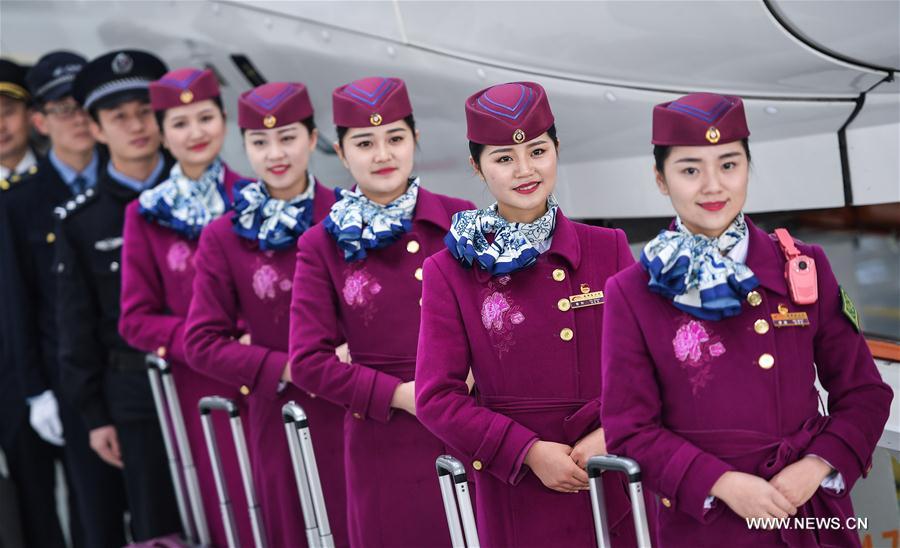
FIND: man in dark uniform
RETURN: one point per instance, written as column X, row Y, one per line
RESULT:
column 103, row 376
column 27, row 241
column 30, row 459
column 16, row 156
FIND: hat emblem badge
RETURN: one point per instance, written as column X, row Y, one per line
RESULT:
column 519, row 136
column 713, row 135
column 186, row 96
column 122, row 63
column 269, row 121
column 375, row 119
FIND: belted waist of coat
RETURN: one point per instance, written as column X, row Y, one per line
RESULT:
column 127, row 361
column 565, row 420
column 773, row 452
column 403, row 367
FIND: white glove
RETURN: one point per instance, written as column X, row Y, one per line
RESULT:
column 44, row 417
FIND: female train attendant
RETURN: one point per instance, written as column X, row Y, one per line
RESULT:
column 245, row 270
column 518, row 297
column 160, row 239
column 708, row 368
column 359, row 278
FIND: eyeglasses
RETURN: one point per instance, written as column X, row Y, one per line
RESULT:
column 64, row 110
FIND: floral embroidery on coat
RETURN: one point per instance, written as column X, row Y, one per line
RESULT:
column 499, row 314
column 695, row 346
column 360, row 288
column 179, row 256
column 271, row 285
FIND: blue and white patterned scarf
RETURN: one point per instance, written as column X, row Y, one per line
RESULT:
column 184, row 205
column 696, row 273
column 515, row 246
column 275, row 224
column 357, row 223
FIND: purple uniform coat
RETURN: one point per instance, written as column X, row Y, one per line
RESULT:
column 536, row 363
column 392, row 490
column 157, row 280
column 690, row 399
column 236, row 280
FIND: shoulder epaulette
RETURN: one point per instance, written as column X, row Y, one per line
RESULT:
column 17, row 179
column 72, row 206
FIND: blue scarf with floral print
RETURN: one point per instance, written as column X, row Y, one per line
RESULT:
column 358, row 224
column 695, row 271
column 184, row 205
column 275, row 224
column 515, row 246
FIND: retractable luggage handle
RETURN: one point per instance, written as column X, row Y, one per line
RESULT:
column 168, row 410
column 207, row 406
column 452, row 474
column 306, row 473
column 595, row 467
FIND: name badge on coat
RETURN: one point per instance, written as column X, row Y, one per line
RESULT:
column 786, row 318
column 586, row 298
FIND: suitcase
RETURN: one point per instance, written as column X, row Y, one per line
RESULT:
column 211, row 404
column 181, row 461
column 611, row 463
column 457, row 503
column 306, row 473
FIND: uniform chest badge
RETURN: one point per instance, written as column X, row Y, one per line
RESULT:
column 108, row 244
column 786, row 318
column 586, row 298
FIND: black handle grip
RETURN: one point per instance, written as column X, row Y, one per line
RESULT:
column 597, row 465
column 447, row 465
column 155, row 361
column 209, row 404
column 292, row 413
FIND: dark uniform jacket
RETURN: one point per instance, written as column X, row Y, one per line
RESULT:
column 27, row 243
column 12, row 399
column 103, row 376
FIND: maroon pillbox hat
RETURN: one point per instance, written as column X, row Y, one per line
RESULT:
column 508, row 114
column 700, row 119
column 183, row 87
column 273, row 105
column 370, row 102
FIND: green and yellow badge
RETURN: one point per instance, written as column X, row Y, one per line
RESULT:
column 849, row 309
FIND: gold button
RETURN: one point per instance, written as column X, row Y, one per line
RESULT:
column 32, row 170
column 412, row 246
column 15, row 178
column 666, row 502
column 754, row 298
column 419, row 274
column 4, row 184
column 244, row 390
column 761, row 326
column 566, row 334
column 477, row 465
column 559, row 274
column 563, row 304
column 51, row 237
column 161, row 351
column 766, row 361
column 357, row 416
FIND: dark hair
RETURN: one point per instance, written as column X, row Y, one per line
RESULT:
column 308, row 123
column 661, row 152
column 117, row 99
column 475, row 149
column 161, row 114
column 342, row 131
